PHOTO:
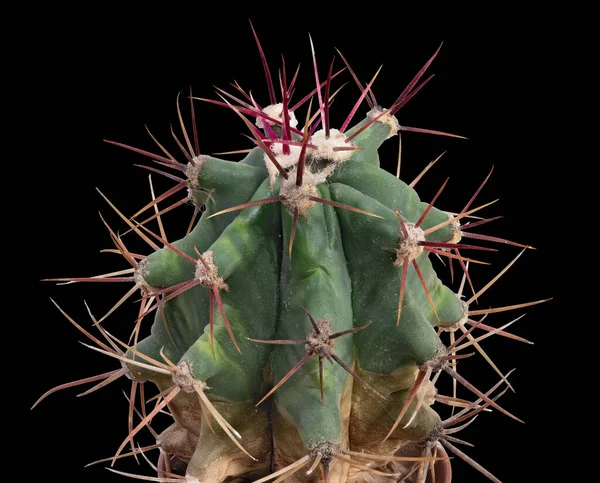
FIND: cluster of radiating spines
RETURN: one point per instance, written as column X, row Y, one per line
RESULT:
column 319, row 342
column 277, row 123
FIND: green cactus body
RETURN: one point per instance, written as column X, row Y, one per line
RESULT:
column 325, row 293
column 343, row 269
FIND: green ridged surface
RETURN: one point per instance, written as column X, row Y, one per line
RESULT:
column 342, row 269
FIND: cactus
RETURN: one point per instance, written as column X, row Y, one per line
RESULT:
column 298, row 325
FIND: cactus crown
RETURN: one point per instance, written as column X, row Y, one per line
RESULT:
column 301, row 313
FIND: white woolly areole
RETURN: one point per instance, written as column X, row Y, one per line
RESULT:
column 387, row 118
column 192, row 171
column 296, row 197
column 285, row 160
column 456, row 233
column 191, row 479
column 209, row 277
column 325, row 146
column 183, row 377
column 139, row 276
column 324, row 149
column 409, row 245
column 275, row 111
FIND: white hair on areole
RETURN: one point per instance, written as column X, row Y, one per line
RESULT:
column 275, row 111
column 285, row 160
column 325, row 146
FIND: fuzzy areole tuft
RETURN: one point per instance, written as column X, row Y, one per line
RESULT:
column 408, row 246
column 208, row 274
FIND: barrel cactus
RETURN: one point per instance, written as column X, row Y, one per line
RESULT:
column 298, row 325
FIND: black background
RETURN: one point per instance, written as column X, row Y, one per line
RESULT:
column 107, row 78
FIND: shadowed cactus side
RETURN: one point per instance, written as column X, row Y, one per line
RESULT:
column 297, row 326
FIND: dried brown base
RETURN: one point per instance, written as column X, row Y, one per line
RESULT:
column 443, row 469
